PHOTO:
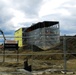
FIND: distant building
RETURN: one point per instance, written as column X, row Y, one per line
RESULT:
column 44, row 35
column 19, row 36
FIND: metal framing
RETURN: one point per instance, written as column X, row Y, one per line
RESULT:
column 44, row 34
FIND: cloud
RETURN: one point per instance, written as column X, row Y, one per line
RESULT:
column 62, row 11
column 50, row 7
column 13, row 13
column 29, row 7
column 67, row 23
column 22, row 13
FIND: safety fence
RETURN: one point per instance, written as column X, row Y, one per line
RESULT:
column 59, row 59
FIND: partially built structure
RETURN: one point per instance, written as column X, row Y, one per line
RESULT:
column 44, row 34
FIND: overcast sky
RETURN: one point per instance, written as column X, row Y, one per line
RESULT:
column 22, row 13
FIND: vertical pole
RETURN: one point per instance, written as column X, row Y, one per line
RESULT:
column 33, row 42
column 4, row 52
column 17, row 56
column 64, row 49
column 58, row 29
column 17, row 49
column 44, row 36
column 3, row 55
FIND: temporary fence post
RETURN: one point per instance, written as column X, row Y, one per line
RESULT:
column 3, row 55
column 64, row 49
column 17, row 56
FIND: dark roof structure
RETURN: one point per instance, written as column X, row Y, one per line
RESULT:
column 41, row 25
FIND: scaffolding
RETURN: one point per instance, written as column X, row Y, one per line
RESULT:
column 44, row 35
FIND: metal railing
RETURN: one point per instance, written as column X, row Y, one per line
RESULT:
column 59, row 58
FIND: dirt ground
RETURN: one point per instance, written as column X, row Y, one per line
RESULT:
column 39, row 62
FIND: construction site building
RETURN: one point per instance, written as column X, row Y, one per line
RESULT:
column 19, row 36
column 44, row 35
